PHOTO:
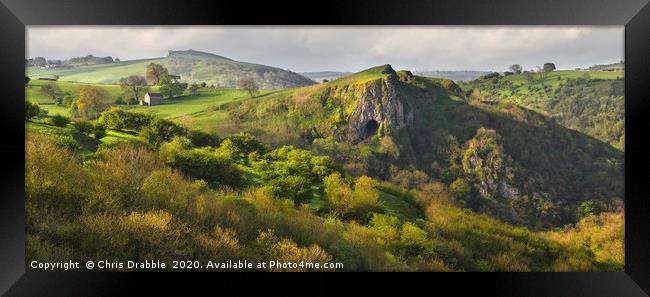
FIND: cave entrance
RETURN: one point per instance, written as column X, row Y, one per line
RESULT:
column 371, row 128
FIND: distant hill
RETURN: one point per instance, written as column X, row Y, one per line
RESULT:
column 319, row 76
column 609, row 67
column 193, row 67
column 462, row 75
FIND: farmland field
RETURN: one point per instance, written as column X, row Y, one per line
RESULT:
column 201, row 109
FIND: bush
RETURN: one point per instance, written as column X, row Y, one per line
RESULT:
column 239, row 146
column 204, row 164
column 119, row 101
column 201, row 139
column 165, row 129
column 120, row 119
column 357, row 203
column 460, row 189
column 31, row 110
column 98, row 131
column 59, row 120
column 84, row 127
column 54, row 181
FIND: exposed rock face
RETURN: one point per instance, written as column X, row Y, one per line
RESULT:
column 381, row 103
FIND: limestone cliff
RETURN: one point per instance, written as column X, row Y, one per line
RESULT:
column 379, row 108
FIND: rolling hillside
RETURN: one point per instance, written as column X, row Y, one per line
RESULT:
column 192, row 66
column 409, row 129
column 591, row 102
column 379, row 170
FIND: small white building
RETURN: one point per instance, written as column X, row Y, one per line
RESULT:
column 152, row 99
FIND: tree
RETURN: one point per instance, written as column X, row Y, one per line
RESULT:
column 39, row 62
column 31, row 110
column 203, row 84
column 51, row 90
column 248, row 84
column 90, row 102
column 27, row 79
column 117, row 60
column 155, row 72
column 516, row 68
column 170, row 86
column 135, row 86
column 56, row 77
column 549, row 67
column 194, row 89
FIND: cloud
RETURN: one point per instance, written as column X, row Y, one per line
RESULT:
column 313, row 48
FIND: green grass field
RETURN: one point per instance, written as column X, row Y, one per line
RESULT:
column 555, row 78
column 85, row 143
column 33, row 94
column 199, row 111
column 99, row 73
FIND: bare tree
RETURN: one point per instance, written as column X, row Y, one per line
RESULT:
column 249, row 85
column 51, row 90
column 135, row 86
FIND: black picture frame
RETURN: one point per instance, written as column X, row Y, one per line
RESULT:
column 633, row 14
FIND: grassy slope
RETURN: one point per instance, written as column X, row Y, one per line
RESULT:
column 99, row 73
column 33, row 94
column 553, row 79
column 443, row 124
column 464, row 240
column 192, row 66
column 466, row 233
column 539, row 94
column 200, row 110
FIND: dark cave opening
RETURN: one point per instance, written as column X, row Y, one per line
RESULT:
column 371, row 128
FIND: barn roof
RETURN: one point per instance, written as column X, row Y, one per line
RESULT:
column 155, row 95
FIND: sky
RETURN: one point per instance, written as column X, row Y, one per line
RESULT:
column 344, row 48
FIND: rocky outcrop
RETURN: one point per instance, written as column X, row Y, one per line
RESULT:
column 379, row 103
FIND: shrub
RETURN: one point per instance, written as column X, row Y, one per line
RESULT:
column 357, row 203
column 98, row 131
column 117, row 176
column 84, row 127
column 204, row 164
column 59, row 120
column 165, row 129
column 286, row 250
column 238, row 146
column 119, row 101
column 201, row 139
column 460, row 189
column 54, row 180
column 120, row 119
column 31, row 110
